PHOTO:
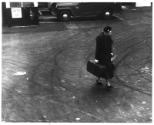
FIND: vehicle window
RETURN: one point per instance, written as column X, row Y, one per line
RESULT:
column 21, row 4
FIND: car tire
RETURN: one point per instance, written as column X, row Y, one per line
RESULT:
column 64, row 16
column 110, row 13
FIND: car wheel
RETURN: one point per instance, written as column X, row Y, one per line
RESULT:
column 108, row 13
column 65, row 16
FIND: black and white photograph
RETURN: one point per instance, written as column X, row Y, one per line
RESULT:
column 76, row 61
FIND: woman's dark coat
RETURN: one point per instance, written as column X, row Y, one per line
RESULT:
column 103, row 52
column 103, row 48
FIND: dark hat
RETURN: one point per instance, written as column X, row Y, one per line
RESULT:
column 107, row 29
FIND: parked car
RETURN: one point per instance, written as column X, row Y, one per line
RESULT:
column 65, row 11
column 43, row 7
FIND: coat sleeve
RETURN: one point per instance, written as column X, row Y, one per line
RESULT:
column 110, row 49
column 97, row 48
column 111, row 46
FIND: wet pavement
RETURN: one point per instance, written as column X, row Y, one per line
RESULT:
column 44, row 77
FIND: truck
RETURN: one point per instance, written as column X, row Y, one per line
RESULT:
column 65, row 11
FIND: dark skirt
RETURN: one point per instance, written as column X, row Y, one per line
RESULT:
column 110, row 68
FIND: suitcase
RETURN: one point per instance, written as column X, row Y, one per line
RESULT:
column 96, row 69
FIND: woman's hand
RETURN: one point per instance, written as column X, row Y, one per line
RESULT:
column 113, row 58
column 96, row 61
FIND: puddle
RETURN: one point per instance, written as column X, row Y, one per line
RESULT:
column 77, row 119
column 72, row 27
column 145, row 69
column 20, row 73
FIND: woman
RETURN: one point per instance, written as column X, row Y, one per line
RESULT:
column 103, row 54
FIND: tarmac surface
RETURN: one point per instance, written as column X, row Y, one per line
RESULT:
column 44, row 77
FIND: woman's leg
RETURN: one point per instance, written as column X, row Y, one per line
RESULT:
column 98, row 81
column 108, row 83
column 108, row 77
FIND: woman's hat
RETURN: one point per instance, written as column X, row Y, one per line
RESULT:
column 107, row 29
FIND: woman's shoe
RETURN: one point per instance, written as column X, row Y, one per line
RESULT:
column 108, row 87
column 98, row 82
